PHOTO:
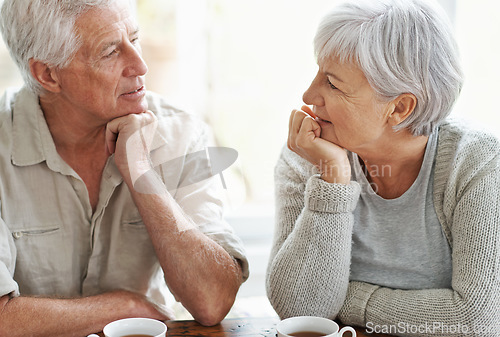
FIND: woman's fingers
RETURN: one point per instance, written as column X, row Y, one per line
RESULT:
column 303, row 129
column 308, row 111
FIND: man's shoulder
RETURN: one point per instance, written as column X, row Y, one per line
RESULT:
column 6, row 104
column 170, row 115
column 176, row 126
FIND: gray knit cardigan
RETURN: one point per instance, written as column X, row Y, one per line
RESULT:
column 308, row 271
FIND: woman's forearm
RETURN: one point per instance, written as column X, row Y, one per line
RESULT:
column 308, row 272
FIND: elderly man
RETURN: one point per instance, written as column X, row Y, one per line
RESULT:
column 80, row 243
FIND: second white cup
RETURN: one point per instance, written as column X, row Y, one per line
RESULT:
column 309, row 325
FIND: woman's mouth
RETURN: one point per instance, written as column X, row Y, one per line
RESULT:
column 321, row 120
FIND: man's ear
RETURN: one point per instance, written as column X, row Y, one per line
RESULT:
column 402, row 106
column 45, row 75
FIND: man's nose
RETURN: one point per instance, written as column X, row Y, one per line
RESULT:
column 136, row 66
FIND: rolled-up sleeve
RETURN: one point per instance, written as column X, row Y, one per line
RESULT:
column 7, row 262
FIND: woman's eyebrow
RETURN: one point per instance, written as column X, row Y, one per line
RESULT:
column 334, row 76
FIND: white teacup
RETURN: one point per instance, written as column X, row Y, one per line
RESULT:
column 135, row 326
column 328, row 328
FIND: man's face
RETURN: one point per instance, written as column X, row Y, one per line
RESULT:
column 106, row 77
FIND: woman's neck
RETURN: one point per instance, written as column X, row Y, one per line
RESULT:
column 395, row 166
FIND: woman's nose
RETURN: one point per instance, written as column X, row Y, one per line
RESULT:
column 312, row 95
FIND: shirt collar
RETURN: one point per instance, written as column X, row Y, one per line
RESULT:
column 32, row 141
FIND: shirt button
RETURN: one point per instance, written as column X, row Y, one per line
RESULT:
column 17, row 235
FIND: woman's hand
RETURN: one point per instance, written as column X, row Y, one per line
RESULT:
column 304, row 138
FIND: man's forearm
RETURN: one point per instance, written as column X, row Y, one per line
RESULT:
column 198, row 271
column 32, row 316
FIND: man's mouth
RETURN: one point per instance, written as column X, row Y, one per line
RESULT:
column 134, row 91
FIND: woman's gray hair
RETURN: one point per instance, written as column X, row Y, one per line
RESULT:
column 43, row 30
column 402, row 46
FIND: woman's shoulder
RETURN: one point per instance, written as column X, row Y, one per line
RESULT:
column 467, row 133
column 466, row 154
column 463, row 141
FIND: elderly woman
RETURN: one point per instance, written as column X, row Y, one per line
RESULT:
column 388, row 212
column 89, row 232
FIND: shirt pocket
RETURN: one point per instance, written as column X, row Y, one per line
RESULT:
column 43, row 264
column 135, row 239
column 18, row 234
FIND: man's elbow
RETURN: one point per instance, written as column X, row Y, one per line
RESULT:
column 211, row 313
column 209, row 319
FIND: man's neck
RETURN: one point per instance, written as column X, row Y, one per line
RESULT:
column 72, row 130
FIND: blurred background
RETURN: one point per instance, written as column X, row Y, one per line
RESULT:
column 243, row 66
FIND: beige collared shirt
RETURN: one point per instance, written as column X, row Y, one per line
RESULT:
column 51, row 243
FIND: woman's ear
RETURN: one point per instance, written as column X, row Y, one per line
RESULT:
column 45, row 75
column 403, row 106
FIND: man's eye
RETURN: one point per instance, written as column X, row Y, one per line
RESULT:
column 113, row 52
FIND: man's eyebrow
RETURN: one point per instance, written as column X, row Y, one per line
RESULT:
column 135, row 32
column 109, row 44
column 116, row 42
column 334, row 76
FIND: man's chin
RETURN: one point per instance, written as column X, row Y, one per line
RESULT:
column 136, row 109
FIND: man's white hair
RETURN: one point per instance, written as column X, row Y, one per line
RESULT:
column 43, row 30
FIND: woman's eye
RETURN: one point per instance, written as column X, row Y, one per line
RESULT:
column 331, row 85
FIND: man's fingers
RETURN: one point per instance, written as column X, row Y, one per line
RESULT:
column 128, row 125
column 111, row 137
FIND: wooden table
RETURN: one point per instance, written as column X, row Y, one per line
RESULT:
column 237, row 327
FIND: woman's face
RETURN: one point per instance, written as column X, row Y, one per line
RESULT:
column 348, row 112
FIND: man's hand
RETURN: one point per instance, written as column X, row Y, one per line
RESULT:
column 130, row 138
column 304, row 138
column 73, row 317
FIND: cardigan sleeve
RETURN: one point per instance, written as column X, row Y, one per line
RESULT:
column 471, row 307
column 308, row 271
